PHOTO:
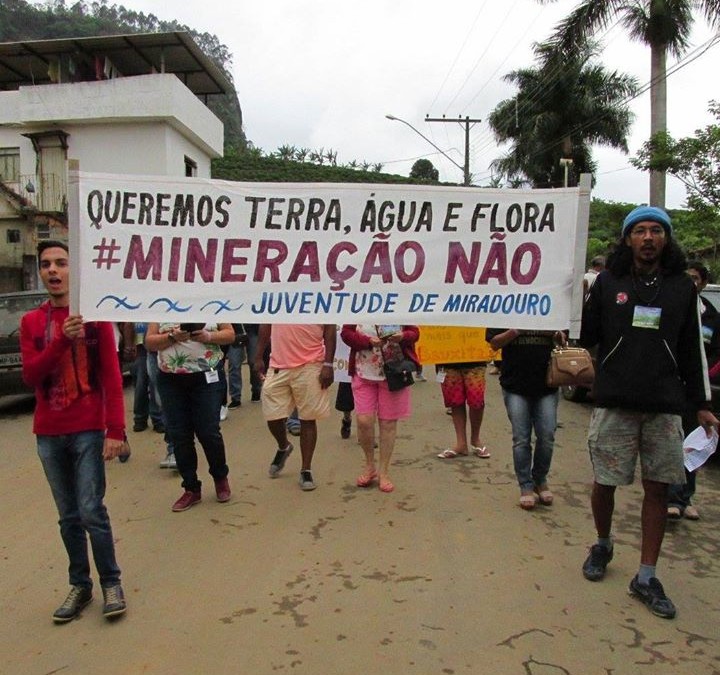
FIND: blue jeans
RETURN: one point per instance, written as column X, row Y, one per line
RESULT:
column 192, row 408
column 153, row 369
column 75, row 470
column 681, row 495
column 145, row 402
column 235, row 358
column 527, row 413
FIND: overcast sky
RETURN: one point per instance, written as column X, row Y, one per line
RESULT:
column 324, row 73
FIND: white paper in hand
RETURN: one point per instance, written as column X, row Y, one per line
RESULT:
column 698, row 447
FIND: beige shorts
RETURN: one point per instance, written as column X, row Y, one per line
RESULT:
column 299, row 388
column 616, row 438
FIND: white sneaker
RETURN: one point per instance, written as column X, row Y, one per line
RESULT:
column 223, row 413
column 169, row 461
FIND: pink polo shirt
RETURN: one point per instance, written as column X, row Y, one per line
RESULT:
column 293, row 345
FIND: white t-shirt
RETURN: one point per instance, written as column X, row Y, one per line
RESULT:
column 590, row 277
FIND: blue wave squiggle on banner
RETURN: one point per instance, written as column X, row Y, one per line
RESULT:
column 171, row 306
column 119, row 302
column 222, row 305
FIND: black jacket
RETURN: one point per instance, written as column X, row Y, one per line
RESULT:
column 658, row 369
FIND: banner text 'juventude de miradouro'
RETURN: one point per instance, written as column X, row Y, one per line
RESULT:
column 164, row 249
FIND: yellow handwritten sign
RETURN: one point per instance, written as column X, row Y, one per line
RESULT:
column 449, row 344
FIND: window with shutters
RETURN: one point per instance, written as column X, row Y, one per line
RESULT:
column 9, row 165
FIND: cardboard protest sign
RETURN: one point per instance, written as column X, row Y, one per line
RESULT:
column 448, row 344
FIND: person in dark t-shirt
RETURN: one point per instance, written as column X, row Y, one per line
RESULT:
column 530, row 404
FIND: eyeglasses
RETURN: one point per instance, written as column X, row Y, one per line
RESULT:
column 654, row 231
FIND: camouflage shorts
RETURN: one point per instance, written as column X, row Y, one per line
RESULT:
column 617, row 437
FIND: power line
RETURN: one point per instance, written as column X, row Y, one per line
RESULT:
column 477, row 63
column 534, row 95
column 492, row 75
column 457, row 56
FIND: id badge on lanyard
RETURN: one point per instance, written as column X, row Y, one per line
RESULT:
column 646, row 317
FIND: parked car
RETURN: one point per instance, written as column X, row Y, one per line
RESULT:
column 12, row 307
column 711, row 292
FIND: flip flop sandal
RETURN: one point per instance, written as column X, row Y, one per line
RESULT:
column 366, row 479
column 449, row 453
column 386, row 485
column 481, row 452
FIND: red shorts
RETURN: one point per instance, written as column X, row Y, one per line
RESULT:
column 464, row 385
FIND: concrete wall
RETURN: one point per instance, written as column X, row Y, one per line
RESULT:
column 152, row 148
column 140, row 99
column 136, row 125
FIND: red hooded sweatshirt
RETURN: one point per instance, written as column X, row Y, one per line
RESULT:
column 78, row 385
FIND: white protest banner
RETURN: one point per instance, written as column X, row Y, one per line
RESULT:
column 164, row 248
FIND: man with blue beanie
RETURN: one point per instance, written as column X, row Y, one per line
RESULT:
column 642, row 312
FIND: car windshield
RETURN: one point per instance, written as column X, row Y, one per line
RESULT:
column 11, row 310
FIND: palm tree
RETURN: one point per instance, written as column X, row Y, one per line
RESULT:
column 301, row 154
column 563, row 106
column 286, row 152
column 317, row 156
column 664, row 25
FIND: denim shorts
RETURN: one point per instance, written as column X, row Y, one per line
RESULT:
column 616, row 438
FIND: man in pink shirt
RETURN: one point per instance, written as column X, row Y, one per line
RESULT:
column 300, row 372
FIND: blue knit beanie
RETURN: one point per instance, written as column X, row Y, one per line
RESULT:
column 651, row 213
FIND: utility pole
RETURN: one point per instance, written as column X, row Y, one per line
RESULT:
column 467, row 123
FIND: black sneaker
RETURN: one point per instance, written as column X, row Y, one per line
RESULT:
column 306, row 480
column 653, row 595
column 235, row 403
column 255, row 396
column 78, row 597
column 279, row 460
column 115, row 604
column 594, row 566
column 345, row 428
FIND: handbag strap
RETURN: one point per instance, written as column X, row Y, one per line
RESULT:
column 380, row 348
column 559, row 344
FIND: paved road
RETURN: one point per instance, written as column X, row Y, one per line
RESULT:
column 446, row 575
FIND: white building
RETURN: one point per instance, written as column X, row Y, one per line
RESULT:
column 117, row 104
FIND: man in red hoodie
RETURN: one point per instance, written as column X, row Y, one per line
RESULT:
column 79, row 422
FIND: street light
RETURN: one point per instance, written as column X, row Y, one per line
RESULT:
column 566, row 162
column 442, row 152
